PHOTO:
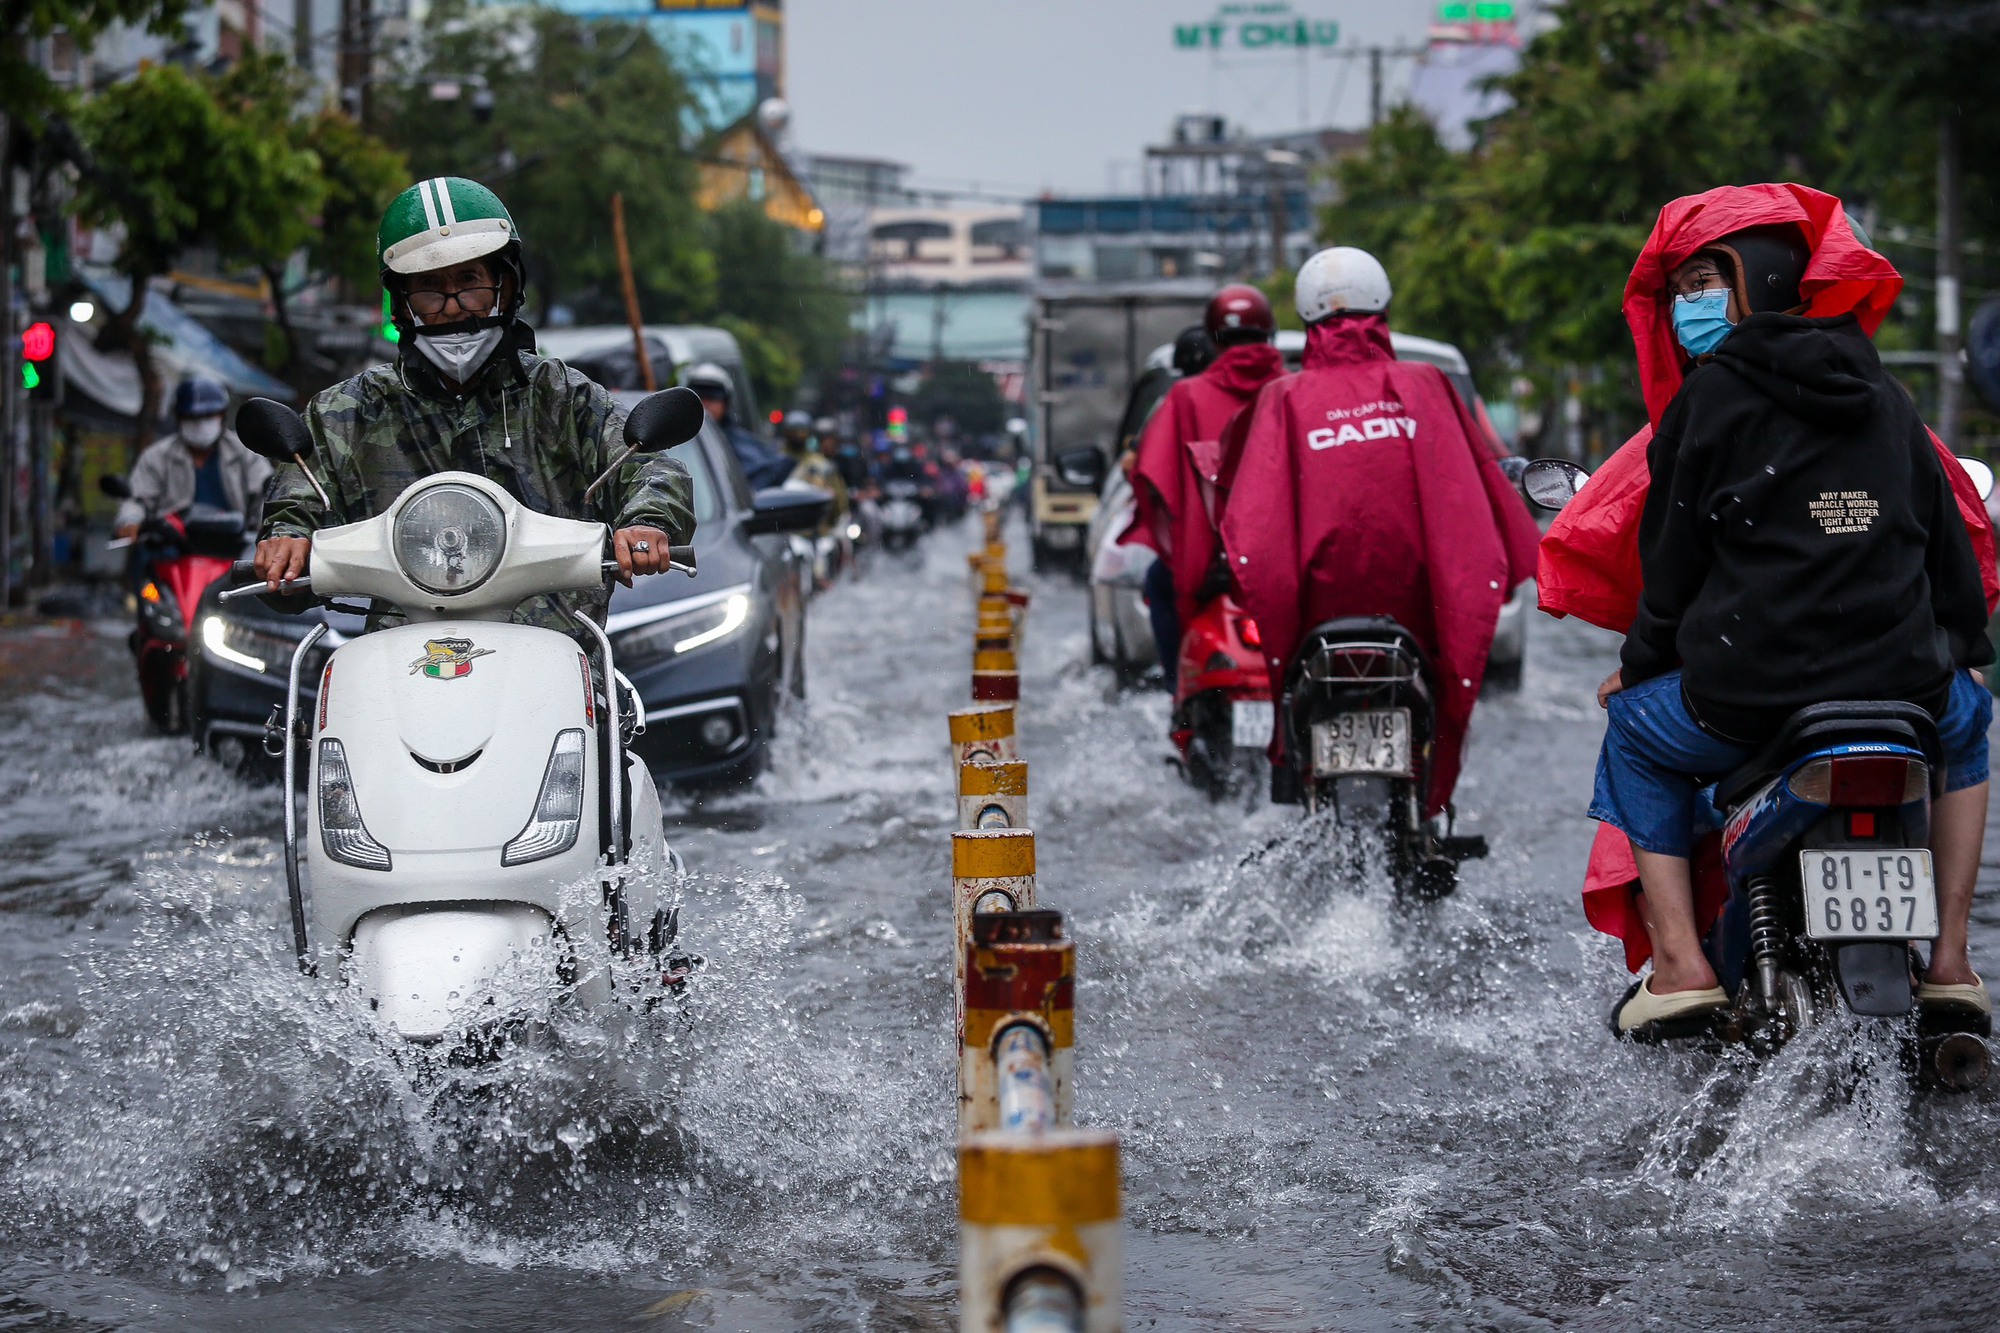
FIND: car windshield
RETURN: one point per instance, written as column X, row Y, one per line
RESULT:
column 707, row 505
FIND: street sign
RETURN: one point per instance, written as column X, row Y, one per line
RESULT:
column 1256, row 25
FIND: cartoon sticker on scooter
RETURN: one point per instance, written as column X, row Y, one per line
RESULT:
column 447, row 659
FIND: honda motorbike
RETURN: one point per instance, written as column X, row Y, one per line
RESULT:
column 1222, row 698
column 1825, row 838
column 479, row 843
column 1359, row 715
column 177, row 556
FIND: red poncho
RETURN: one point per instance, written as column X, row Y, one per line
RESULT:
column 1173, row 481
column 1364, row 487
column 1589, row 561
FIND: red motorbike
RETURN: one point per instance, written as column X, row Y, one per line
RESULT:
column 175, row 558
column 1222, row 698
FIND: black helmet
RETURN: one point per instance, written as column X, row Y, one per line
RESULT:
column 1768, row 264
column 1194, row 350
column 200, row 396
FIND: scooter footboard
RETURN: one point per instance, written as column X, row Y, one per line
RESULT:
column 430, row 969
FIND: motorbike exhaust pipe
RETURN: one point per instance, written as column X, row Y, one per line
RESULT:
column 1961, row 1061
column 992, row 870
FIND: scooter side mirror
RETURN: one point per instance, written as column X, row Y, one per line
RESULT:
column 273, row 430
column 1082, row 468
column 1981, row 474
column 115, row 486
column 1552, row 482
column 665, row 419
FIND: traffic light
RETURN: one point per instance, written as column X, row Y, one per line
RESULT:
column 899, row 423
column 38, row 350
column 390, row 333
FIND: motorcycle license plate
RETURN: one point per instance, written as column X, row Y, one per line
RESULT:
column 1865, row 894
column 1376, row 740
column 1250, row 723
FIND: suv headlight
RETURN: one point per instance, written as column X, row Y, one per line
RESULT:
column 450, row 539
column 671, row 631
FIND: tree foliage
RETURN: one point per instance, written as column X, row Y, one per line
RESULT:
column 27, row 91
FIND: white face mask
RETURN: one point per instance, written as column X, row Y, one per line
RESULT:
column 458, row 355
column 201, row 432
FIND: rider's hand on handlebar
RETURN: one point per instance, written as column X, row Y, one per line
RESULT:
column 1613, row 683
column 653, row 560
column 282, row 559
column 126, row 532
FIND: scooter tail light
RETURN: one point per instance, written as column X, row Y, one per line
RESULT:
column 552, row 829
column 341, row 832
column 1861, row 780
column 1250, row 634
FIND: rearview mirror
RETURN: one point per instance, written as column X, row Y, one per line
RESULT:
column 273, row 430
column 1981, row 474
column 1552, row 482
column 787, row 509
column 665, row 419
column 1082, row 468
column 115, row 486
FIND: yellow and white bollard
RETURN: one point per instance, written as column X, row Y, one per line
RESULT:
column 993, row 795
column 1017, row 1065
column 1039, row 1232
column 995, row 659
column 994, row 687
column 992, row 870
column 983, row 734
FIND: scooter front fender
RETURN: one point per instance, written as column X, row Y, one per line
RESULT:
column 428, row 970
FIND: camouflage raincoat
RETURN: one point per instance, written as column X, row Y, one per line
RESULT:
column 540, row 430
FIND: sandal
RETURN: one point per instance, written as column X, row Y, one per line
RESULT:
column 1965, row 998
column 1641, row 1015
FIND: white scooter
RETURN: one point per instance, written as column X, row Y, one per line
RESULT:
column 474, row 863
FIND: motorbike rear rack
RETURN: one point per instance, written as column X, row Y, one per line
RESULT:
column 1351, row 662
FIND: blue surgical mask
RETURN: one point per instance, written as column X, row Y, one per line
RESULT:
column 1701, row 320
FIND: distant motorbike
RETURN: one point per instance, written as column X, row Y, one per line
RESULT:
column 1222, row 698
column 485, row 844
column 177, row 557
column 1825, row 835
column 905, row 513
column 1359, row 712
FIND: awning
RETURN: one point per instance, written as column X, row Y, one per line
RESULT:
column 183, row 346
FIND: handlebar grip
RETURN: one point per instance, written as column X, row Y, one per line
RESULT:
column 242, row 567
column 258, row 589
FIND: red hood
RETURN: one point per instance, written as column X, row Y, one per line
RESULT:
column 1843, row 275
column 1173, row 478
column 1346, row 339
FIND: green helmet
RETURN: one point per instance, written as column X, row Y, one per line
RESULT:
column 441, row 221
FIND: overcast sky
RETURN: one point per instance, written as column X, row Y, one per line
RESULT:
column 1025, row 95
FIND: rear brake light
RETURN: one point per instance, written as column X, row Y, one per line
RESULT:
column 1247, row 628
column 1865, row 780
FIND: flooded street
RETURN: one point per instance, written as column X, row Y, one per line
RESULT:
column 1336, row 1112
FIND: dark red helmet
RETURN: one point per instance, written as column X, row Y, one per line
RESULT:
column 1239, row 314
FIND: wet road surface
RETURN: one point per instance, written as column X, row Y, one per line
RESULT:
column 1336, row 1112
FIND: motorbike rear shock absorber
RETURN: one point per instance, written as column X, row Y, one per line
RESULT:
column 1767, row 936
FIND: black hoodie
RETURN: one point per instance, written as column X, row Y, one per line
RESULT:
column 1800, row 541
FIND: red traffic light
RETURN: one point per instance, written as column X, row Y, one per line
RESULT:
column 899, row 416
column 38, row 341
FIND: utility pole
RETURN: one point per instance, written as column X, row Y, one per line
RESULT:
column 1951, row 371
column 1374, row 86
column 302, row 34
column 356, row 66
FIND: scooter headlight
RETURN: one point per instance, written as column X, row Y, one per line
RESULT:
column 346, row 839
column 558, row 809
column 450, row 539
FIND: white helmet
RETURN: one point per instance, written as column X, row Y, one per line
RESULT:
column 1339, row 281
column 708, row 373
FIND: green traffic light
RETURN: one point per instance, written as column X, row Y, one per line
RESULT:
column 30, row 377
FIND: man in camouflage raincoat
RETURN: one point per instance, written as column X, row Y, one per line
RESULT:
column 461, row 396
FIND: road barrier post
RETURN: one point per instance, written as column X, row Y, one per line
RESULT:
column 993, row 795
column 996, row 687
column 1017, row 1066
column 1039, row 1243
column 991, row 870
column 994, row 659
column 983, row 734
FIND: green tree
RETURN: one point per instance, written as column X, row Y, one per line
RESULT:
column 770, row 293
column 583, row 111
column 179, row 161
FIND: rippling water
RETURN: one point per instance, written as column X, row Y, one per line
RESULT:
column 1337, row 1112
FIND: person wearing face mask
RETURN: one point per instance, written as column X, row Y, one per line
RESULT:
column 1801, row 540
column 466, row 394
column 199, row 464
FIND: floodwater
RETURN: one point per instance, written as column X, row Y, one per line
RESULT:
column 1336, row 1113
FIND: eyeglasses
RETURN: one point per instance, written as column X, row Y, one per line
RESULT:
column 1696, row 281
column 474, row 301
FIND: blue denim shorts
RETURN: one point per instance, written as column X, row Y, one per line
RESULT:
column 1656, row 760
